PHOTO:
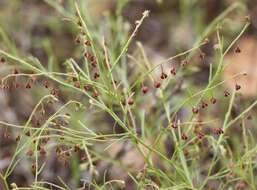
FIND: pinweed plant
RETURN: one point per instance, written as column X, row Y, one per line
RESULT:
column 183, row 135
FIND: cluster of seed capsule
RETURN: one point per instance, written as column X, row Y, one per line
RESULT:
column 83, row 39
column 197, row 129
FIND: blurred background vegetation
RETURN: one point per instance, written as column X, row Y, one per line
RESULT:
column 40, row 29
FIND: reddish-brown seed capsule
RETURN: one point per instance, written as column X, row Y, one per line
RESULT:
column 87, row 55
column 96, row 75
column 18, row 138
column 76, row 148
column 123, row 102
column 184, row 63
column 15, row 72
column 38, row 147
column 78, row 40
column 45, row 140
column 95, row 94
column 28, row 85
column 184, row 137
column 249, row 117
column 164, row 76
column 2, row 60
column 79, row 23
column 38, row 122
column 29, row 152
column 213, row 100
column 200, row 135
column 157, row 84
column 86, row 87
column 237, row 87
column 87, row 43
column 58, row 150
column 185, row 152
column 195, row 110
column 54, row 92
column 83, row 158
column 130, row 101
column 94, row 63
column 83, row 33
column 237, row 50
column 173, row 71
column 174, row 124
column 218, row 131
column 226, row 93
column 67, row 153
column 204, row 105
column 5, row 86
column 92, row 58
column 144, row 89
column 46, row 84
column 27, row 133
column 77, row 84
